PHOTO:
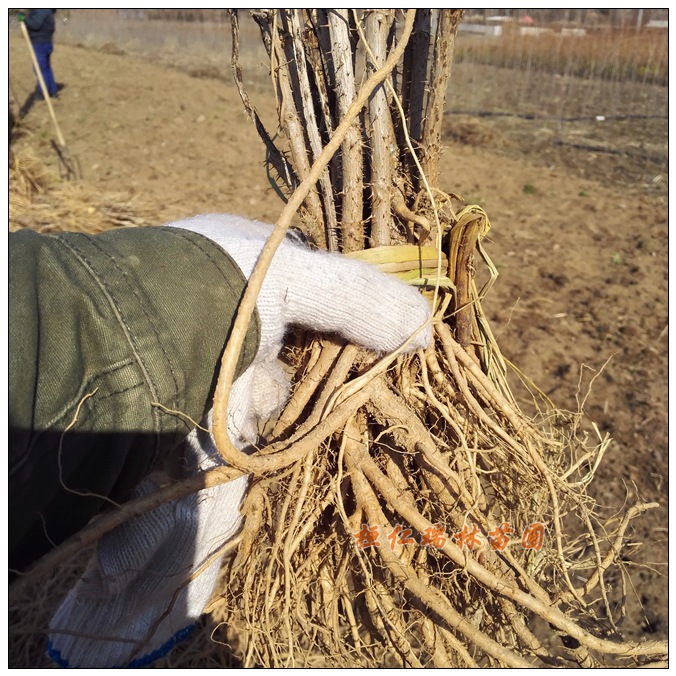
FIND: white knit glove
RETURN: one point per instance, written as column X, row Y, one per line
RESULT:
column 137, row 598
column 328, row 293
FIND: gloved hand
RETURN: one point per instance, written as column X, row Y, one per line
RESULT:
column 328, row 293
column 138, row 598
column 20, row 16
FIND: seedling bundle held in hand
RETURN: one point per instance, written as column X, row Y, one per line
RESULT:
column 407, row 447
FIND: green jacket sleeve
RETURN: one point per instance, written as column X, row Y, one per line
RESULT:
column 107, row 333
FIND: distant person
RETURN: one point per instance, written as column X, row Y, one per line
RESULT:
column 41, row 24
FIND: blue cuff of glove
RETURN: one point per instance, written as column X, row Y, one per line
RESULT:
column 143, row 661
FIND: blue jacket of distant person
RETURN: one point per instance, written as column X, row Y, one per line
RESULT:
column 41, row 24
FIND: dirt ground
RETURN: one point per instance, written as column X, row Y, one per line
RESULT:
column 582, row 292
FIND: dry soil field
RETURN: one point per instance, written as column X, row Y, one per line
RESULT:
column 582, row 292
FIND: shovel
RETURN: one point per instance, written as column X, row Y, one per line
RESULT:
column 67, row 164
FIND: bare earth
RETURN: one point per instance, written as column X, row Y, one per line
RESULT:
column 582, row 292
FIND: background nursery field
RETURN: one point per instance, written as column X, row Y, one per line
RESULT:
column 559, row 134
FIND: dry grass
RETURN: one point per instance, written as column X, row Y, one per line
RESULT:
column 600, row 55
column 40, row 200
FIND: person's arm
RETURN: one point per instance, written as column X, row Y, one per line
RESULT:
column 104, row 330
column 150, row 578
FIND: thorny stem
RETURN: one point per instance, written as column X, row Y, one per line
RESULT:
column 276, row 158
column 312, row 129
column 352, row 225
column 382, row 141
column 230, row 357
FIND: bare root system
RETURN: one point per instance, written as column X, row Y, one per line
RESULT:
column 434, row 526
